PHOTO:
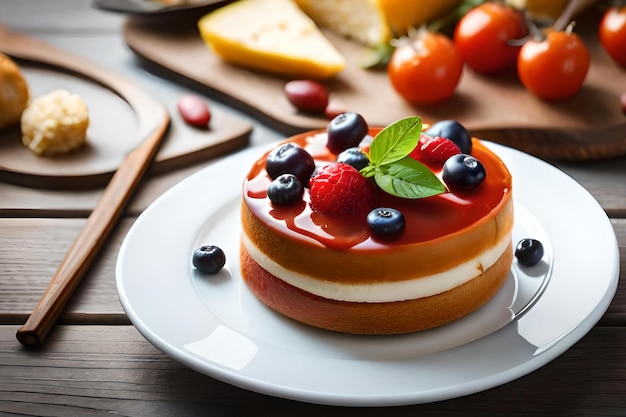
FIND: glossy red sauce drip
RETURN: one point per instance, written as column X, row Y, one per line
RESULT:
column 426, row 219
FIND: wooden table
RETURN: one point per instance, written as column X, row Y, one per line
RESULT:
column 96, row 363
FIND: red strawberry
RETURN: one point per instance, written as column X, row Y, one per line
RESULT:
column 339, row 190
column 434, row 150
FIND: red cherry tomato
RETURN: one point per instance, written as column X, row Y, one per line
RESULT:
column 554, row 68
column 613, row 33
column 426, row 69
column 482, row 37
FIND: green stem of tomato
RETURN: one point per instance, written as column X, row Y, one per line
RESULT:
column 535, row 33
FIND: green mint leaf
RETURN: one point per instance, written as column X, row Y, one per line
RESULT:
column 368, row 171
column 395, row 141
column 408, row 178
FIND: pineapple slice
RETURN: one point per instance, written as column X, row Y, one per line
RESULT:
column 273, row 36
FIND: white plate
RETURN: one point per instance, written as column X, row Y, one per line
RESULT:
column 214, row 325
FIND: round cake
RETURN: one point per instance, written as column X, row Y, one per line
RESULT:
column 334, row 272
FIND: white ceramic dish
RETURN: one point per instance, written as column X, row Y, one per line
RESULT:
column 214, row 325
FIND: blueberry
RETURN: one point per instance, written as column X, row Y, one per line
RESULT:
column 529, row 252
column 463, row 172
column 284, row 190
column 354, row 157
column 386, row 223
column 454, row 131
column 346, row 131
column 209, row 259
column 290, row 158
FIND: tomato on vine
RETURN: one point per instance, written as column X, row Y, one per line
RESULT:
column 425, row 67
column 612, row 32
column 484, row 35
column 554, row 66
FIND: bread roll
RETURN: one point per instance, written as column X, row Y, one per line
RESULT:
column 14, row 93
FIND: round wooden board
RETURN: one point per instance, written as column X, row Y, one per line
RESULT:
column 589, row 126
column 121, row 117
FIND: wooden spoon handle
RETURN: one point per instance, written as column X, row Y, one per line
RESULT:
column 90, row 239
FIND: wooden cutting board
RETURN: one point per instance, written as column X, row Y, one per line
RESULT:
column 121, row 116
column 589, row 126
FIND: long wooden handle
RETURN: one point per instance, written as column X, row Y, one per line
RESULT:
column 153, row 122
column 86, row 246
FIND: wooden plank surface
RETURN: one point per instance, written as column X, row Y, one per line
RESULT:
column 98, row 364
column 604, row 180
column 19, row 201
column 33, row 249
column 112, row 370
column 32, row 252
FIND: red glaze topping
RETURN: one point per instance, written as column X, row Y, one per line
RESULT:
column 426, row 219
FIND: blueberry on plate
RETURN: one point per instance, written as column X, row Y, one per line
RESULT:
column 529, row 252
column 209, row 259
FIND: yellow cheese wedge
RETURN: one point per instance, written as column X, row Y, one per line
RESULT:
column 270, row 35
column 373, row 22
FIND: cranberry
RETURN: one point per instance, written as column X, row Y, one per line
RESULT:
column 194, row 111
column 307, row 96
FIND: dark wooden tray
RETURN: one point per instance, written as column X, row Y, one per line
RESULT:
column 589, row 126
